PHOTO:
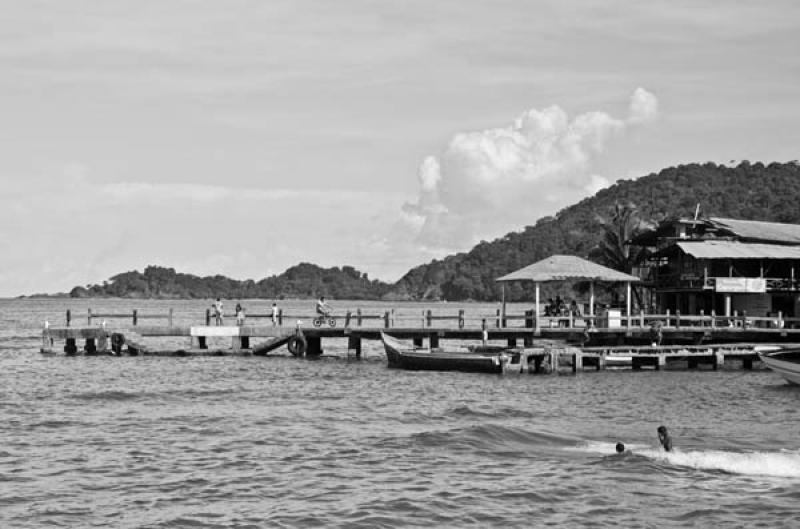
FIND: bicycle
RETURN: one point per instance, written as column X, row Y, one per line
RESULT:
column 321, row 318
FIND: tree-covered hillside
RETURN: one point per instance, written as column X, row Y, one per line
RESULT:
column 301, row 281
column 747, row 191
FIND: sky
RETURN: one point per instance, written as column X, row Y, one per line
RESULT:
column 243, row 137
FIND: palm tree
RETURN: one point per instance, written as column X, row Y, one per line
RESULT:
column 614, row 249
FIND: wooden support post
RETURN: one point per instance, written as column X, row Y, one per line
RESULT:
column 460, row 318
column 577, row 361
column 538, row 323
column 417, row 341
column 347, row 318
column 202, row 342
column 554, row 354
column 429, row 317
column 70, row 347
column 280, row 317
column 236, row 343
column 537, row 363
column 677, row 319
column 666, row 322
column 90, row 347
column 497, row 321
column 527, row 341
column 354, row 344
column 170, row 317
column 359, row 317
column 628, row 305
column 636, row 363
column 386, row 320
column 713, row 319
column 502, row 318
column 661, row 362
column 719, row 359
column 47, row 341
column 747, row 363
column 89, row 318
column 433, row 340
column 69, row 317
column 245, row 342
column 314, row 346
column 641, row 318
column 102, row 343
column 524, row 366
column 135, row 317
column 744, row 319
column 512, row 342
column 601, row 361
column 208, row 317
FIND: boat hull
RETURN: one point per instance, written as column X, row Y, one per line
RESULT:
column 402, row 357
column 785, row 363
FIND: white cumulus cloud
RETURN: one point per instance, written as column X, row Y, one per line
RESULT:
column 490, row 182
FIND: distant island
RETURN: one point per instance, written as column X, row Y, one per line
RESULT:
column 751, row 191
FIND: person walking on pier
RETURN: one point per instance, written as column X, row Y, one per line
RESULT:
column 274, row 314
column 239, row 315
column 218, row 318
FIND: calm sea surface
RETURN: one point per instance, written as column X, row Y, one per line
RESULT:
column 334, row 442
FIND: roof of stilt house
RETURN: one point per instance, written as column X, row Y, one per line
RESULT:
column 566, row 268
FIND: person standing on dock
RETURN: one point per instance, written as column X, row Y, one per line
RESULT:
column 218, row 312
column 274, row 314
column 239, row 315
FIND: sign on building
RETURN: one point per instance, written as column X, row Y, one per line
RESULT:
column 750, row 285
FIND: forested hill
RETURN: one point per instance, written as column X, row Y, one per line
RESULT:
column 302, row 281
column 748, row 191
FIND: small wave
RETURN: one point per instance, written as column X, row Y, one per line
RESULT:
column 505, row 413
column 773, row 464
column 56, row 424
column 200, row 392
column 109, row 395
column 490, row 437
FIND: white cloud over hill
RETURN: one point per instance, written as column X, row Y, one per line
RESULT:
column 490, row 182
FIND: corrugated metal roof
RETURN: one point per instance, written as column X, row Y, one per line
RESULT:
column 759, row 230
column 565, row 268
column 738, row 250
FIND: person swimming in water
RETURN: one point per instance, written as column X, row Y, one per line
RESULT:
column 664, row 438
column 620, row 448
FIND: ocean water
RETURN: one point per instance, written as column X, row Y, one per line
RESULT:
column 241, row 442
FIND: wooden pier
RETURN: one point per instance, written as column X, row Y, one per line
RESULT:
column 648, row 341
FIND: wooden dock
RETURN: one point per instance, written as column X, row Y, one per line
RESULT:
column 693, row 341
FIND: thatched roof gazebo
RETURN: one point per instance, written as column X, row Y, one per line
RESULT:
column 569, row 268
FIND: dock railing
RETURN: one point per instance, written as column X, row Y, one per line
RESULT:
column 134, row 315
column 462, row 318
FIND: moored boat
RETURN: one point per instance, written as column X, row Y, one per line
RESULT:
column 785, row 362
column 478, row 359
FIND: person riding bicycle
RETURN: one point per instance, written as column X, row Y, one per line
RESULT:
column 323, row 309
